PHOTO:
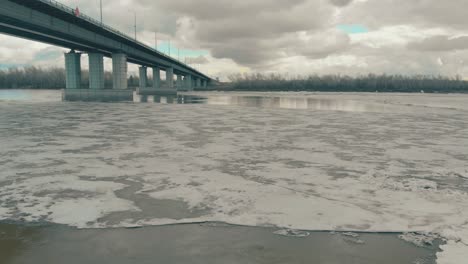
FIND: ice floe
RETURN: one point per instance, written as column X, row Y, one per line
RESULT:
column 292, row 233
column 419, row 239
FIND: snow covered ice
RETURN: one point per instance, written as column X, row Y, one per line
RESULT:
column 403, row 169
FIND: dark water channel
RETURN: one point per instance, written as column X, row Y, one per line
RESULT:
column 201, row 243
column 228, row 99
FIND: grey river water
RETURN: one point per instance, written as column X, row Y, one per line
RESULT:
column 201, row 243
column 231, row 178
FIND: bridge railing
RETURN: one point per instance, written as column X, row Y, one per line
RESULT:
column 91, row 20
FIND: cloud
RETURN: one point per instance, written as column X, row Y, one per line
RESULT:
column 341, row 2
column 422, row 13
column 47, row 54
column 297, row 36
column 441, row 43
column 197, row 60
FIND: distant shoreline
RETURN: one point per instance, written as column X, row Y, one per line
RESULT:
column 269, row 91
column 36, row 78
column 330, row 91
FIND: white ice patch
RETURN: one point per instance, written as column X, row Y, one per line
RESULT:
column 65, row 200
column 419, row 239
column 350, row 234
column 292, row 233
column 79, row 212
column 4, row 213
column 410, row 185
column 352, row 237
column 453, row 253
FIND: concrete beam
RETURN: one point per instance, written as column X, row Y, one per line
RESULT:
column 73, row 70
column 96, row 71
column 119, row 71
column 97, row 95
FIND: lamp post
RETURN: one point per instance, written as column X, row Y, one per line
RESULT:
column 156, row 41
column 100, row 5
column 135, row 27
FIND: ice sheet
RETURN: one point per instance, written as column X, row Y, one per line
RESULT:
column 453, row 253
column 298, row 169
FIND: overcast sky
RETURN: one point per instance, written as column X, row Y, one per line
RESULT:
column 295, row 37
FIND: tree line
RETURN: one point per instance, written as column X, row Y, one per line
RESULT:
column 344, row 83
column 32, row 77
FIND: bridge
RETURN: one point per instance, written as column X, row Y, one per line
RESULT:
column 51, row 22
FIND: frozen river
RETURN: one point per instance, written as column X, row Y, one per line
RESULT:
column 301, row 161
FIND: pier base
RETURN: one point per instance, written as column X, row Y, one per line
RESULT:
column 160, row 91
column 93, row 95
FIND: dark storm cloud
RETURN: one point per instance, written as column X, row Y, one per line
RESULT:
column 220, row 9
column 251, row 32
column 263, row 34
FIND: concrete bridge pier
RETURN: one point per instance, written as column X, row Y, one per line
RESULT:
column 73, row 70
column 158, row 90
column 170, row 77
column 188, row 82
column 198, row 85
column 96, row 71
column 119, row 71
column 96, row 91
column 156, row 78
column 143, row 77
column 193, row 83
column 180, row 85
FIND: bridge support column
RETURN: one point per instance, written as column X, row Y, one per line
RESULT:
column 188, row 82
column 180, row 85
column 119, row 71
column 96, row 71
column 73, row 70
column 156, row 78
column 143, row 77
column 198, row 85
column 170, row 77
